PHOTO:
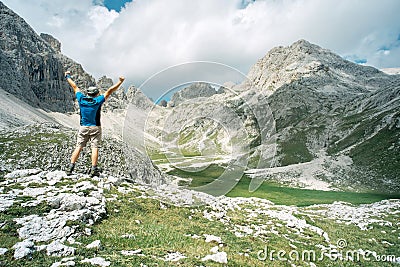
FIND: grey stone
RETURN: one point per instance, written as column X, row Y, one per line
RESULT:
column 220, row 257
column 95, row 244
column 21, row 173
column 57, row 249
column 23, row 249
column 67, row 207
column 97, row 261
column 6, row 201
column 192, row 92
column 69, row 261
column 53, row 42
column 55, row 176
column 131, row 252
column 3, row 251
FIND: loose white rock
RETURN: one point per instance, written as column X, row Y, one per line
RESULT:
column 65, row 262
column 57, row 249
column 220, row 257
column 131, row 252
column 3, row 251
column 23, row 249
column 213, row 238
column 21, row 173
column 174, row 256
column 6, row 201
column 214, row 249
column 97, row 261
column 95, row 244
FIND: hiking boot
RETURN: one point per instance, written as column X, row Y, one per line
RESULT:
column 70, row 169
column 95, row 171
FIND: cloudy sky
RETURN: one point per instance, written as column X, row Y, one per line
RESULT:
column 141, row 37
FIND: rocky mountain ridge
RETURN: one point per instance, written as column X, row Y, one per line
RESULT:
column 33, row 72
column 194, row 90
column 32, row 69
column 321, row 106
column 302, row 60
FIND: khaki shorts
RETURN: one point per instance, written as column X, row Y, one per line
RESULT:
column 91, row 134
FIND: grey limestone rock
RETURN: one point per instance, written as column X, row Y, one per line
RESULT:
column 193, row 91
column 23, row 249
column 33, row 67
column 53, row 42
column 57, row 249
column 220, row 257
column 97, row 261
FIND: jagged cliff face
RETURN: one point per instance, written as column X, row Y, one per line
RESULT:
column 33, row 67
column 195, row 90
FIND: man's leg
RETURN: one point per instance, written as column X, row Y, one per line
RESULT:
column 95, row 140
column 75, row 154
column 95, row 171
column 81, row 141
column 74, row 158
column 95, row 155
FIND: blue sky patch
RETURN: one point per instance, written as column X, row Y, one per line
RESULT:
column 360, row 61
column 117, row 5
column 244, row 3
column 356, row 59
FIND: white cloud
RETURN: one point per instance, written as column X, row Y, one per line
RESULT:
column 149, row 35
column 78, row 24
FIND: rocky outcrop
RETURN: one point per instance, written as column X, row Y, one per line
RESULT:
column 54, row 215
column 138, row 99
column 193, row 91
column 53, row 42
column 118, row 101
column 82, row 79
column 32, row 68
column 50, row 147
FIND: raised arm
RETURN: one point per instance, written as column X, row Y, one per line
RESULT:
column 71, row 82
column 114, row 87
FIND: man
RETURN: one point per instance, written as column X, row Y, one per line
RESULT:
column 90, row 126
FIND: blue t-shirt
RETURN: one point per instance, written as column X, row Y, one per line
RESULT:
column 90, row 109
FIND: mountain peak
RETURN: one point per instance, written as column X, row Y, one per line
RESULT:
column 33, row 66
column 302, row 43
column 52, row 41
column 284, row 65
column 199, row 89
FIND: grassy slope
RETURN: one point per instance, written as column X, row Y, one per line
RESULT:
column 159, row 229
column 280, row 194
column 162, row 230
